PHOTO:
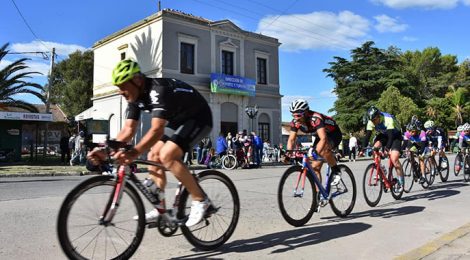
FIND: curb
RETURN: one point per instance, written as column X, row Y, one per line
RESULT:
column 433, row 246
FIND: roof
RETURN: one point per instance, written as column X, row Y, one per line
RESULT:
column 57, row 114
column 183, row 16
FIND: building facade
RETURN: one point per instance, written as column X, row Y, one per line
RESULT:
column 232, row 68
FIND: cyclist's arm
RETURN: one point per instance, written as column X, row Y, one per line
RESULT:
column 128, row 131
column 365, row 142
column 291, row 140
column 154, row 134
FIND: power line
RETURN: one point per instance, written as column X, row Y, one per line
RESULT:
column 27, row 24
column 282, row 13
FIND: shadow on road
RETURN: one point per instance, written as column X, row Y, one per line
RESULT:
column 284, row 241
column 381, row 213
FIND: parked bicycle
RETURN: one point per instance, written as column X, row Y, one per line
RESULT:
column 376, row 180
column 96, row 219
column 301, row 193
column 462, row 161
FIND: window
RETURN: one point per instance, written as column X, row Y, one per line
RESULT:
column 123, row 55
column 263, row 130
column 261, row 70
column 227, row 62
column 187, row 58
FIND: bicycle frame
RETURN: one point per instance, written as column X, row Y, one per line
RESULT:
column 307, row 168
column 385, row 179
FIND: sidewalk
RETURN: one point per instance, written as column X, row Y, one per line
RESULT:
column 453, row 245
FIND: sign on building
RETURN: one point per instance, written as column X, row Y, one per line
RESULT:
column 228, row 84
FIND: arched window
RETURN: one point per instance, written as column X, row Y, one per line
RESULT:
column 264, row 126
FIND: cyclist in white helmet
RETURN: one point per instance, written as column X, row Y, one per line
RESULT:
column 324, row 128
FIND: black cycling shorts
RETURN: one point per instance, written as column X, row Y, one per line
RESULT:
column 334, row 139
column 188, row 133
column 396, row 143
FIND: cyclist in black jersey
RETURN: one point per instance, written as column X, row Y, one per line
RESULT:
column 181, row 117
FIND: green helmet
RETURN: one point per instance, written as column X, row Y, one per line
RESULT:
column 124, row 71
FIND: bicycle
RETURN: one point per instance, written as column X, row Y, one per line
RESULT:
column 462, row 161
column 435, row 167
column 229, row 161
column 412, row 172
column 377, row 180
column 298, row 205
column 96, row 219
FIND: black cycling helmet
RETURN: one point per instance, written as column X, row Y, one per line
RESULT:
column 412, row 127
column 372, row 112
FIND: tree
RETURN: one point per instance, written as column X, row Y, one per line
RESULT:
column 72, row 83
column 13, row 81
column 439, row 110
column 459, row 99
column 360, row 82
column 392, row 101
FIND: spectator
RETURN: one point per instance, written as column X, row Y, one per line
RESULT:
column 228, row 139
column 258, row 149
column 221, row 145
column 80, row 150
column 64, row 149
column 206, row 146
column 352, row 147
column 199, row 157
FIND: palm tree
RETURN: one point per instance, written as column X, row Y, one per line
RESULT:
column 13, row 81
column 459, row 101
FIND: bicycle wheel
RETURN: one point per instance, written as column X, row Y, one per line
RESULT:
column 408, row 173
column 466, row 170
column 229, row 162
column 372, row 185
column 83, row 235
column 458, row 164
column 296, row 205
column 443, row 168
column 430, row 170
column 397, row 193
column 344, row 194
column 221, row 217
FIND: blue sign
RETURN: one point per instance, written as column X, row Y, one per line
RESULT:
column 228, row 84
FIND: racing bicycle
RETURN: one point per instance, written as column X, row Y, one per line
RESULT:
column 96, row 219
column 301, row 193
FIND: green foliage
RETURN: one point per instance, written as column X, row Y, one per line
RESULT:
column 393, row 102
column 424, row 83
column 73, row 83
column 13, row 81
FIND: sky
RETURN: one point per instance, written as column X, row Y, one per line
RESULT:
column 311, row 32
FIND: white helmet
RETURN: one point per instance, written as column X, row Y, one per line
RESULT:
column 459, row 128
column 466, row 127
column 299, row 105
column 429, row 124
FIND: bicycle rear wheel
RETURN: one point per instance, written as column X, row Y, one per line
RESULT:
column 296, row 205
column 221, row 217
column 458, row 164
column 229, row 162
column 430, row 170
column 466, row 168
column 408, row 173
column 397, row 193
column 81, row 231
column 443, row 168
column 344, row 193
column 372, row 185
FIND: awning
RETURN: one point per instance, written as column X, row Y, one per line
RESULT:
column 92, row 113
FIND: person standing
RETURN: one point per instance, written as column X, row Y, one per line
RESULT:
column 64, row 149
column 258, row 148
column 352, row 147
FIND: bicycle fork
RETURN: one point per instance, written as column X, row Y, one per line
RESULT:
column 115, row 198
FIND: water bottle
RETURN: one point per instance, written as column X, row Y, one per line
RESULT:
column 152, row 187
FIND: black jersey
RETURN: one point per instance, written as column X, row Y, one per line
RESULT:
column 169, row 99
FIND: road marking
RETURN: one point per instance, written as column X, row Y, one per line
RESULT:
column 433, row 246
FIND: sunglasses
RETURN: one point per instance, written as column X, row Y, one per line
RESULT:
column 298, row 115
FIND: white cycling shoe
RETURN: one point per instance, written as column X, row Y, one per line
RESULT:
column 198, row 210
column 150, row 216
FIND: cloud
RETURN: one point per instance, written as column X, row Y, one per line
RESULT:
column 317, row 30
column 427, row 4
column 409, row 39
column 60, row 48
column 388, row 24
column 466, row 2
column 328, row 94
column 33, row 66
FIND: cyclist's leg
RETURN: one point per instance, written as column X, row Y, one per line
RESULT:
column 156, row 174
column 395, row 156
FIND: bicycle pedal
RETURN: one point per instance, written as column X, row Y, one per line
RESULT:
column 153, row 224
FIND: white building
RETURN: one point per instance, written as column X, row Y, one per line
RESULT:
column 242, row 66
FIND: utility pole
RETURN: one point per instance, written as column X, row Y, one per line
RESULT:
column 159, row 6
column 48, row 93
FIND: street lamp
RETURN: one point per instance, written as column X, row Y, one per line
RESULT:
column 252, row 111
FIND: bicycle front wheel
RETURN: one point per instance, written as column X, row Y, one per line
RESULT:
column 221, row 217
column 372, row 185
column 443, row 168
column 297, row 203
column 408, row 173
column 430, row 170
column 395, row 190
column 82, row 232
column 229, row 162
column 458, row 164
column 344, row 193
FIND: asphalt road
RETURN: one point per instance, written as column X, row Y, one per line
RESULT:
column 29, row 208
